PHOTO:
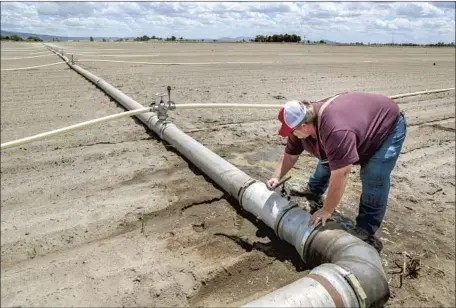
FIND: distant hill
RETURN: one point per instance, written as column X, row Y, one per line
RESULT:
column 47, row 37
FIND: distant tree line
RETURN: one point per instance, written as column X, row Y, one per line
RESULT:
column 18, row 38
column 144, row 38
column 278, row 38
column 153, row 37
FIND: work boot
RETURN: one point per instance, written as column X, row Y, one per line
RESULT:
column 369, row 239
column 315, row 201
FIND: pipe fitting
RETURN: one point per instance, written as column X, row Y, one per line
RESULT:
column 265, row 204
column 295, row 229
column 349, row 270
column 164, row 125
column 330, row 244
column 243, row 188
column 323, row 287
column 333, row 279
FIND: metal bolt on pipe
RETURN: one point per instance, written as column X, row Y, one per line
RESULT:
column 347, row 272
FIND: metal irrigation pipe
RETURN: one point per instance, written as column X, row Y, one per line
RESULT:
column 348, row 271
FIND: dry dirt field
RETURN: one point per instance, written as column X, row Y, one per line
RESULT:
column 111, row 216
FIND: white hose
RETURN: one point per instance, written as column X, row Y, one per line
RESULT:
column 90, row 53
column 27, row 57
column 176, row 63
column 421, row 92
column 182, row 106
column 25, row 49
column 82, row 50
column 30, row 67
column 119, row 55
column 59, row 131
column 240, row 106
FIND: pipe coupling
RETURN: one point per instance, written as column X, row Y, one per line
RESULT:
column 339, row 284
column 304, row 240
column 355, row 284
column 281, row 215
column 242, row 190
column 344, row 285
column 164, row 126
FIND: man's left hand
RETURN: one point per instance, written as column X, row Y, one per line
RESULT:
column 322, row 215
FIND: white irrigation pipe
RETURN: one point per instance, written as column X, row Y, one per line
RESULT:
column 11, row 50
column 421, row 92
column 69, row 50
column 40, row 56
column 170, row 63
column 30, row 67
column 216, row 106
column 67, row 129
column 119, row 55
column 90, row 53
column 121, row 115
column 180, row 106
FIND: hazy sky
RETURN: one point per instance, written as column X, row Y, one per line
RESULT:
column 419, row 22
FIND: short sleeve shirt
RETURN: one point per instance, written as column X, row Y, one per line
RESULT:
column 352, row 127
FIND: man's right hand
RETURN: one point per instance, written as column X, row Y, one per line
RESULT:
column 271, row 184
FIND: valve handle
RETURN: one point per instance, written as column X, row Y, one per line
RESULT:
column 284, row 191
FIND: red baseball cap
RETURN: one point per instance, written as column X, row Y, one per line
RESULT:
column 291, row 115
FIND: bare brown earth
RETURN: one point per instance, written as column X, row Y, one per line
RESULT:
column 111, row 216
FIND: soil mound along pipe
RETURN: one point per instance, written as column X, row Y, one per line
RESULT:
column 347, row 273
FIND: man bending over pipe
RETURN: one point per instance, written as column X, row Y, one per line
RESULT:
column 341, row 131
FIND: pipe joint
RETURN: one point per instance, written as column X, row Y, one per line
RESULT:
column 355, row 285
column 242, row 190
column 164, row 125
column 325, row 286
column 338, row 283
column 266, row 205
column 281, row 214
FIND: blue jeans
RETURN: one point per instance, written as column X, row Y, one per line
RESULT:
column 375, row 179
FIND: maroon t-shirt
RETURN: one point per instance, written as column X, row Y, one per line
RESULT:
column 352, row 128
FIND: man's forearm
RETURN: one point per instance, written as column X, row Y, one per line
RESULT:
column 336, row 190
column 286, row 162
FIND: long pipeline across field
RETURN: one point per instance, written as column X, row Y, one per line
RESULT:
column 351, row 274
